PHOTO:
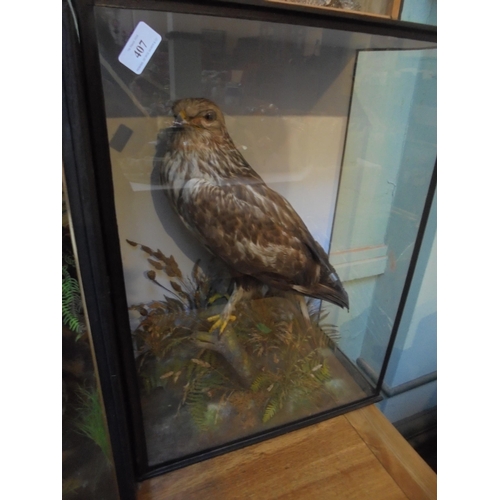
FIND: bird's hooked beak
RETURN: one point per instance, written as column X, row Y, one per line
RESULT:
column 180, row 120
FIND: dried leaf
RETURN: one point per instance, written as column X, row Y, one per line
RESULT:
column 159, row 255
column 151, row 275
column 173, row 305
column 166, row 375
column 177, row 375
column 157, row 305
column 146, row 249
column 197, row 299
column 317, row 367
column 176, row 287
column 171, row 267
column 133, row 243
column 201, row 363
column 136, row 307
column 196, row 271
column 155, row 264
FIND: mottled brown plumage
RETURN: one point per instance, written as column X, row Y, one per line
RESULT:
column 230, row 209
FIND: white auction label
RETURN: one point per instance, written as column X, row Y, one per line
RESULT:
column 139, row 48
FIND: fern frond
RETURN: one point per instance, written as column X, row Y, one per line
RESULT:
column 71, row 302
column 199, row 400
column 271, row 409
column 323, row 374
column 261, row 381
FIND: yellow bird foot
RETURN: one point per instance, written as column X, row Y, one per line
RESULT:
column 220, row 323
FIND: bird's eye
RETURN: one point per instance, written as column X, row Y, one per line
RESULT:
column 210, row 116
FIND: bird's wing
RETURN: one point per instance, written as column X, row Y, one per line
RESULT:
column 251, row 227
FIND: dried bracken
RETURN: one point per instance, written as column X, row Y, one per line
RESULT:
column 269, row 361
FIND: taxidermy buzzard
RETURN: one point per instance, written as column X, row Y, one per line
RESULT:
column 234, row 214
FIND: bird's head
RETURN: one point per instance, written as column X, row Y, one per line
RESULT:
column 200, row 114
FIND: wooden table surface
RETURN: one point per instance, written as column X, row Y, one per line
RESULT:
column 355, row 456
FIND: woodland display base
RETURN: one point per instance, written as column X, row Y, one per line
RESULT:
column 357, row 455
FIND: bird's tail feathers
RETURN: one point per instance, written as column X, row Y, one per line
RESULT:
column 335, row 295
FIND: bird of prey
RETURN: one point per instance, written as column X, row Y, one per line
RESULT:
column 234, row 214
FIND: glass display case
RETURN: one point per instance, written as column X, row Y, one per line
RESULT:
column 87, row 461
column 254, row 184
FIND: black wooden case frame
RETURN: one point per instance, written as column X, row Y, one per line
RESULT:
column 90, row 192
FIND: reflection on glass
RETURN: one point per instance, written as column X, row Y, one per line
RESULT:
column 87, row 465
column 420, row 11
column 386, row 174
column 290, row 106
column 381, row 8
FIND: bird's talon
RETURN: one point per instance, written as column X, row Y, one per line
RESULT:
column 215, row 326
column 220, row 323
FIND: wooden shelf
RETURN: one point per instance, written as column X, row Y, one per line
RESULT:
column 358, row 456
column 390, row 9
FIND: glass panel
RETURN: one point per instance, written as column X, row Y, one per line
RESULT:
column 87, row 464
column 285, row 92
column 388, row 163
column 420, row 11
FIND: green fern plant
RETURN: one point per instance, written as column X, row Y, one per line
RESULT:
column 272, row 407
column 72, row 308
column 262, row 381
column 90, row 421
column 289, row 369
column 205, row 392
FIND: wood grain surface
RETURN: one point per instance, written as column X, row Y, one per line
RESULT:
column 355, row 456
column 407, row 468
